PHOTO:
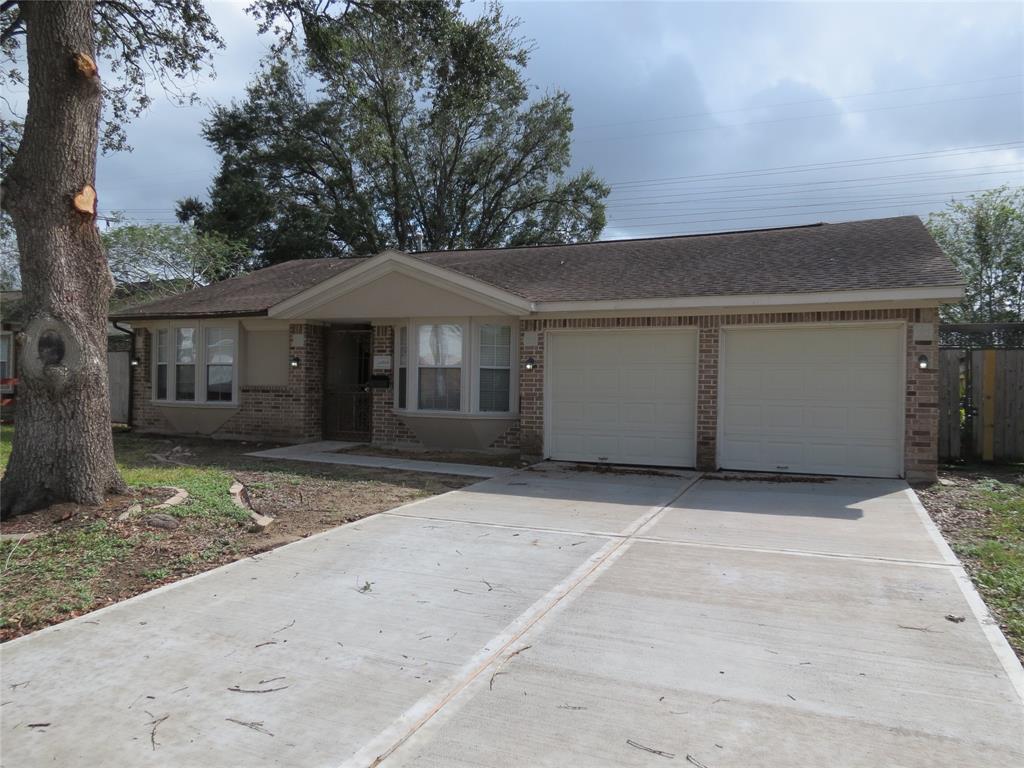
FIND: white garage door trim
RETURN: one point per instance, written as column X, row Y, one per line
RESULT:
column 552, row 340
column 892, row 468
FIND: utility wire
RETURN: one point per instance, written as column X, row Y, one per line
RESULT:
column 799, row 117
column 853, row 162
column 798, row 103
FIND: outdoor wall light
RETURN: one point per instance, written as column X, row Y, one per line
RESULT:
column 530, row 363
column 922, row 362
column 135, row 362
column 294, row 362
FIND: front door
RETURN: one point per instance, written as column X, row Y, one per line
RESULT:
column 347, row 405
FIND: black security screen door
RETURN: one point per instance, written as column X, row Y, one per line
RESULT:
column 347, row 405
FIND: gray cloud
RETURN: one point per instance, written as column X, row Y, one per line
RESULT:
column 759, row 85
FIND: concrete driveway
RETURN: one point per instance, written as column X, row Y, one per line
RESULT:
column 549, row 617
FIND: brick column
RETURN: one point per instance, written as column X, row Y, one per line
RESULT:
column 707, row 393
column 383, row 400
column 921, row 441
column 141, row 380
column 531, row 390
column 306, row 381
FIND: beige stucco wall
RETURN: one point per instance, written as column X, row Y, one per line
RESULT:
column 194, row 419
column 456, row 432
column 265, row 358
column 411, row 297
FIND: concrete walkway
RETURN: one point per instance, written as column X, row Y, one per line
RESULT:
column 549, row 617
column 326, row 452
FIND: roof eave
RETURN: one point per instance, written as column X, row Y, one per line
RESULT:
column 938, row 294
column 118, row 316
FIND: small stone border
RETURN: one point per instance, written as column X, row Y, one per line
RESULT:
column 241, row 500
column 179, row 497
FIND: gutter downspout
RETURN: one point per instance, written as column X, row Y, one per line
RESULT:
column 131, row 370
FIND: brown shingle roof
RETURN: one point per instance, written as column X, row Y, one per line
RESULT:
column 856, row 255
column 251, row 294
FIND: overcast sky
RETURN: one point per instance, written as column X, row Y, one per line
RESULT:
column 706, row 116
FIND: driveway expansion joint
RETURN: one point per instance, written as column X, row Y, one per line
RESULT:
column 378, row 750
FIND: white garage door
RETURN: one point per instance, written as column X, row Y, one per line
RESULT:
column 622, row 396
column 824, row 401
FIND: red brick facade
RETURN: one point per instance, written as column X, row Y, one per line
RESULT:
column 289, row 413
column 922, row 413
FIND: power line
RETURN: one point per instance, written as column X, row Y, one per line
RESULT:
column 798, row 103
column 852, row 162
column 787, row 196
column 805, row 205
column 822, row 184
column 772, row 216
column 799, row 117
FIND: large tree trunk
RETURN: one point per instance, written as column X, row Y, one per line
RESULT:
column 63, row 448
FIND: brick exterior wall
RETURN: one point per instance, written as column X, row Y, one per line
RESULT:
column 293, row 412
column 286, row 413
column 921, row 399
column 388, row 427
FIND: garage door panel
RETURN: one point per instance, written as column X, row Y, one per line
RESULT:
column 827, row 419
column 778, row 382
column 812, row 400
column 601, row 414
column 783, row 417
column 631, row 398
column 868, row 421
column 823, row 382
column 741, row 418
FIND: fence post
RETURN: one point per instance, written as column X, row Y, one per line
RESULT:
column 988, row 405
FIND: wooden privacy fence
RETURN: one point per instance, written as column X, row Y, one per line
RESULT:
column 981, row 403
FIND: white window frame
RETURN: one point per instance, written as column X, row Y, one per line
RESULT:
column 200, row 327
column 9, row 335
column 168, row 349
column 398, row 365
column 512, row 365
column 413, row 398
column 470, row 379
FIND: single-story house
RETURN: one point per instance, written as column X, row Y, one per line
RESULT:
column 801, row 349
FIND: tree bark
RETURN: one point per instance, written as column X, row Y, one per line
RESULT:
column 63, row 448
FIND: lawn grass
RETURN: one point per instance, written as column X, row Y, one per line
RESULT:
column 996, row 553
column 981, row 514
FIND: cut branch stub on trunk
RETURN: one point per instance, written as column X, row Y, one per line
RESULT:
column 85, row 200
column 86, row 65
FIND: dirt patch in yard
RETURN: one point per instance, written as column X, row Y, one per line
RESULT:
column 480, row 458
column 78, row 558
column 300, row 507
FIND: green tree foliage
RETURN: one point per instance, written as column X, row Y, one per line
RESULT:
column 396, row 132
column 159, row 260
column 984, row 236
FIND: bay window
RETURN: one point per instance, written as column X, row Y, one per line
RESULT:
column 403, row 366
column 220, row 364
column 439, row 358
column 195, row 363
column 161, row 364
column 455, row 366
column 6, row 355
column 495, row 379
column 185, row 364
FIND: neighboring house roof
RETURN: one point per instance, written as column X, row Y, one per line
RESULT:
column 893, row 253
column 250, row 294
